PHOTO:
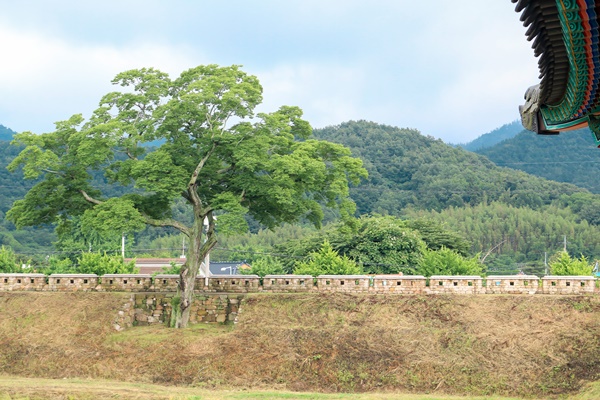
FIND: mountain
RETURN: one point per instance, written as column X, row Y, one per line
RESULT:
column 489, row 139
column 570, row 157
column 510, row 217
column 14, row 187
column 6, row 133
column 407, row 169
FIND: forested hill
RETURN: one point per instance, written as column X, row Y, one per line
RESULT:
column 14, row 187
column 6, row 133
column 409, row 169
column 494, row 137
column 569, row 157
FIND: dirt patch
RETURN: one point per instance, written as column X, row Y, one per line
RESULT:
column 480, row 345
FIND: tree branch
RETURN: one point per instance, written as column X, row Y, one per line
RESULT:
column 193, row 180
column 49, row 171
column 167, row 222
column 88, row 198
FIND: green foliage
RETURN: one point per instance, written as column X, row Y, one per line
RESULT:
column 409, row 169
column 101, row 264
column 327, row 261
column 77, row 235
column 251, row 247
column 111, row 219
column 381, row 244
column 561, row 263
column 436, row 235
column 585, row 205
column 59, row 266
column 13, row 187
column 175, row 310
column 216, row 154
column 6, row 134
column 172, row 269
column 514, row 238
column 448, row 262
column 264, row 265
column 8, row 261
column 551, row 157
column 507, row 131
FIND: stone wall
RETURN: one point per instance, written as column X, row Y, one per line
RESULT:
column 568, row 285
column 288, row 283
column 72, row 282
column 384, row 284
column 155, row 308
column 343, row 283
column 514, row 284
column 442, row 284
column 380, row 284
column 232, row 283
column 126, row 282
column 34, row 282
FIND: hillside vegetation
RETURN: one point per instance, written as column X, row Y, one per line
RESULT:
column 569, row 157
column 410, row 176
column 407, row 169
column 508, row 345
column 6, row 133
column 518, row 237
column 494, row 137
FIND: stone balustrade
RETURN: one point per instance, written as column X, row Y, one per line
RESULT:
column 378, row 284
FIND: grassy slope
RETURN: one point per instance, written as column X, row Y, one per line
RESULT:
column 478, row 345
column 12, row 388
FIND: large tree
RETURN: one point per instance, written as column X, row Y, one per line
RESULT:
column 213, row 151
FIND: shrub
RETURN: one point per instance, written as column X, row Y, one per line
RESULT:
column 448, row 262
column 327, row 261
column 265, row 265
column 101, row 264
column 561, row 263
column 8, row 261
column 59, row 266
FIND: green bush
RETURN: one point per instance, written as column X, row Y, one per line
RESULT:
column 265, row 265
column 448, row 262
column 59, row 266
column 101, row 264
column 8, row 261
column 327, row 262
column 561, row 263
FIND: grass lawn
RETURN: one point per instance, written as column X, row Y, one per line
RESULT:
column 17, row 388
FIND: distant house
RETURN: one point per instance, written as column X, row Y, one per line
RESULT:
column 152, row 265
column 227, row 267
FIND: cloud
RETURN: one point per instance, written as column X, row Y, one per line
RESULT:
column 45, row 79
column 328, row 94
column 452, row 69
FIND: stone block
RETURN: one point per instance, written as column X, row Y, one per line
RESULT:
column 141, row 317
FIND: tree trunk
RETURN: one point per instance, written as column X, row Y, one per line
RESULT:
column 189, row 271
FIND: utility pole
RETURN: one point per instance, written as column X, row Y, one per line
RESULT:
column 565, row 245
column 182, row 247
column 123, row 245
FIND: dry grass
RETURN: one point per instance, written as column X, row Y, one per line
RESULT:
column 479, row 345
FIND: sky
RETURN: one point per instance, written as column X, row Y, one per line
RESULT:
column 453, row 70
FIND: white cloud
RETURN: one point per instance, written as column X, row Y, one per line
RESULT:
column 50, row 79
column 328, row 94
column 451, row 69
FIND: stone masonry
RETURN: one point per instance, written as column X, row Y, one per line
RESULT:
column 155, row 308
